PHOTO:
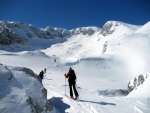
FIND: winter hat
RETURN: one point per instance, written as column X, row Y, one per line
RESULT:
column 70, row 69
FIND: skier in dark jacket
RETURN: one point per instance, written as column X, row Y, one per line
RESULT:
column 41, row 74
column 72, row 82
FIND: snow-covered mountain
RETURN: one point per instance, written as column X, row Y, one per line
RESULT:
column 105, row 60
column 78, row 46
column 17, row 36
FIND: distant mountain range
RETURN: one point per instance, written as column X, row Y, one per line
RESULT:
column 17, row 36
column 20, row 33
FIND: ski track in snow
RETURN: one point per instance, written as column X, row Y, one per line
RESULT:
column 69, row 105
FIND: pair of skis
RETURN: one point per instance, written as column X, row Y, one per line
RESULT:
column 67, row 95
column 71, row 98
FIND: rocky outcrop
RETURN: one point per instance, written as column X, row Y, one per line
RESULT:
column 108, row 28
column 36, row 106
column 56, row 32
column 136, row 82
column 117, row 27
column 7, row 37
column 105, row 47
column 85, row 30
column 21, row 86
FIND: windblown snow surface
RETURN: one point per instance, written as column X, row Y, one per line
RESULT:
column 104, row 64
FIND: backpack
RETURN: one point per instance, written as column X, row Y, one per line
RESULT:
column 41, row 74
column 72, row 76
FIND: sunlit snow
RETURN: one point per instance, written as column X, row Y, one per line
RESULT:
column 104, row 63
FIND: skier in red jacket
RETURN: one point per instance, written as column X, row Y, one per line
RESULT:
column 72, row 82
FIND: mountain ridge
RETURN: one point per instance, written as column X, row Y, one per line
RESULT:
column 20, row 35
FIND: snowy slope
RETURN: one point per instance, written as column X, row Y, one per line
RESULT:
column 144, row 29
column 78, row 46
column 104, row 61
column 133, row 50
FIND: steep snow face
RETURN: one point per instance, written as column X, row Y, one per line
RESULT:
column 144, row 29
column 117, row 28
column 76, row 47
column 133, row 50
column 21, row 91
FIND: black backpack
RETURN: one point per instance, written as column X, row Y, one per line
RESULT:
column 41, row 74
column 72, row 75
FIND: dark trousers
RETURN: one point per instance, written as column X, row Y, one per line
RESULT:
column 72, row 84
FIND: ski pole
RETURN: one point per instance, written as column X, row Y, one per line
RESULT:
column 77, row 89
column 49, row 66
column 65, row 85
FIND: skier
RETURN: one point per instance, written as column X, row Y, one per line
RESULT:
column 41, row 74
column 72, row 82
column 45, row 70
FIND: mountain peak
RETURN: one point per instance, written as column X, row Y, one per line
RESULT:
column 120, row 28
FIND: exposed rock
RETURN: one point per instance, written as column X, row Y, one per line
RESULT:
column 29, row 71
column 104, row 47
column 30, row 35
column 118, row 28
column 85, row 30
column 7, row 37
column 140, row 80
column 109, row 28
column 135, row 83
column 56, row 32
column 113, row 92
column 44, row 92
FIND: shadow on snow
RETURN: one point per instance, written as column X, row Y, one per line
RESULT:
column 48, row 79
column 101, row 103
column 59, row 104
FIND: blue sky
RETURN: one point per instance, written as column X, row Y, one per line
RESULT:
column 71, row 14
